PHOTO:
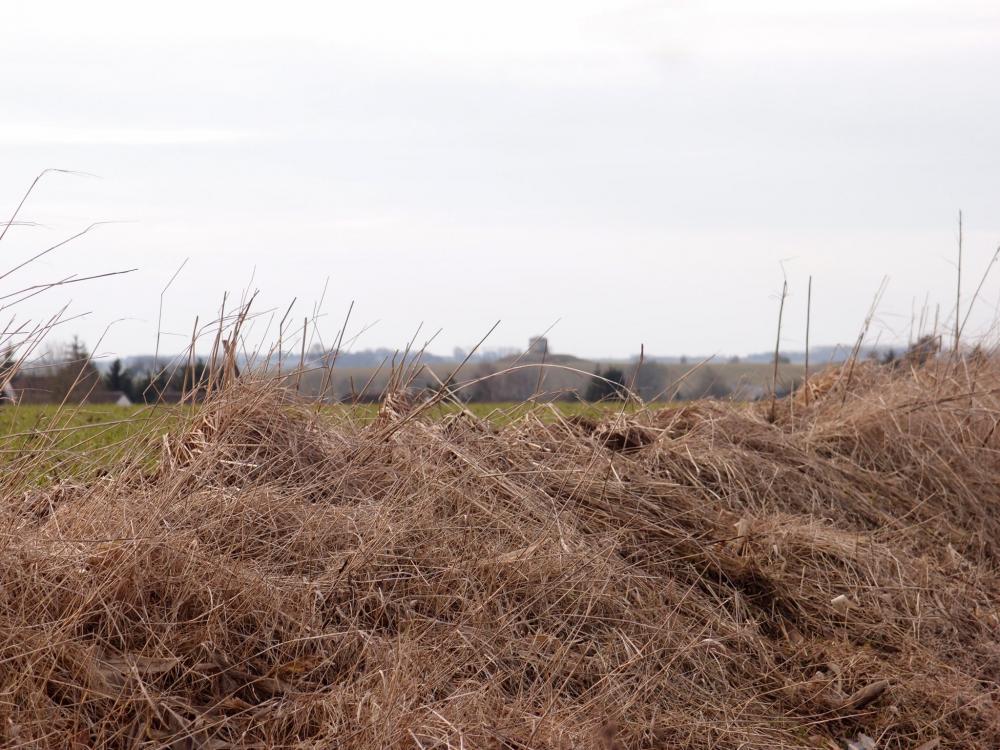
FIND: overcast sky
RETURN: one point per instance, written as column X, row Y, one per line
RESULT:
column 641, row 172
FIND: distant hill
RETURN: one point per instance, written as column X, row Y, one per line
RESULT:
column 820, row 355
column 828, row 354
column 375, row 357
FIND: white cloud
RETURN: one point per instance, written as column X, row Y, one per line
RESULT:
column 458, row 29
column 39, row 134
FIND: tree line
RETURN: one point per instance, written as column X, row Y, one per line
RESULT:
column 148, row 387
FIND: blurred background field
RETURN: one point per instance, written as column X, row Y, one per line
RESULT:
column 106, row 425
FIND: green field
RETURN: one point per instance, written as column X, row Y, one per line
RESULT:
column 107, row 424
column 49, row 443
column 95, row 425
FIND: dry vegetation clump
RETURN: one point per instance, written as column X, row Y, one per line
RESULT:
column 696, row 578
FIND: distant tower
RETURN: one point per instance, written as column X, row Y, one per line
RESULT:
column 538, row 345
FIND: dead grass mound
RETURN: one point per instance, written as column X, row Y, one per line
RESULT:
column 697, row 578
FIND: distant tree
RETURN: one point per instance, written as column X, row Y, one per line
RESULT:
column 77, row 352
column 76, row 376
column 118, row 378
column 147, row 389
column 889, row 357
column 705, row 382
column 191, row 378
column 608, row 386
column 717, row 389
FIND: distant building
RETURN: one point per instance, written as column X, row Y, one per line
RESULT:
column 538, row 345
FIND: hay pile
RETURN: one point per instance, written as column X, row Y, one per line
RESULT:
column 694, row 578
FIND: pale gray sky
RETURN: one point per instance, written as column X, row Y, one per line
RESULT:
column 637, row 170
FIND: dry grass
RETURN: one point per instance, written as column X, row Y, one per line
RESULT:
column 697, row 578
